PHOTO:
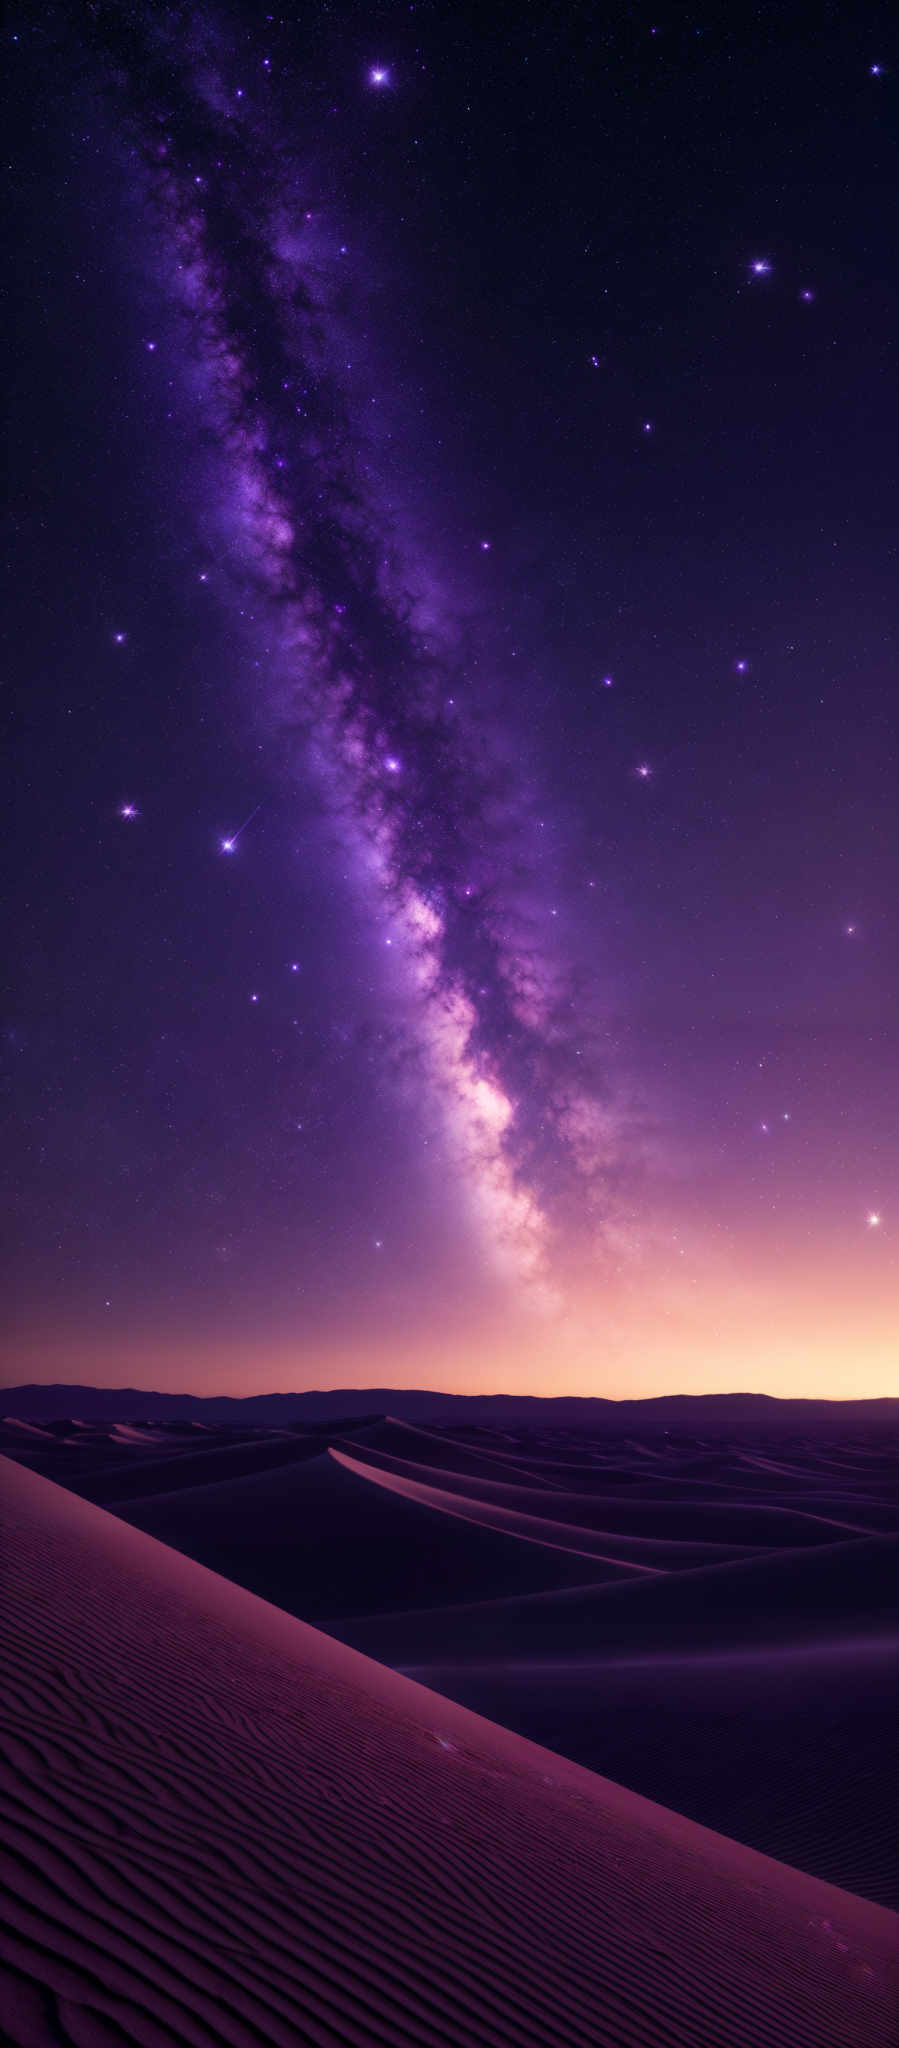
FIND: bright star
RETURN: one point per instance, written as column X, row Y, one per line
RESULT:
column 379, row 75
column 229, row 845
column 392, row 765
column 761, row 267
column 120, row 639
column 128, row 811
column 741, row 667
column 876, row 70
column 485, row 546
column 807, row 295
column 873, row 1220
column 647, row 426
column 608, row 682
column 644, row 771
column 851, row 931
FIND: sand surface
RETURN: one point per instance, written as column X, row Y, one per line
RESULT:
column 224, row 1826
column 713, row 1624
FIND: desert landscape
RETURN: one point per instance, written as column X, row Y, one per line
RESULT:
column 450, row 1732
column 449, row 1415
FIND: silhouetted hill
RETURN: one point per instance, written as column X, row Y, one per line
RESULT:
column 693, row 1415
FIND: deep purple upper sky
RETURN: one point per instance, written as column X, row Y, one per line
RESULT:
column 453, row 649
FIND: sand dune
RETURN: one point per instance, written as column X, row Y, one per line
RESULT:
column 564, row 1520
column 320, row 1540
column 225, row 1827
column 747, row 1678
column 787, row 1595
column 206, row 1465
column 489, row 1514
column 791, row 1750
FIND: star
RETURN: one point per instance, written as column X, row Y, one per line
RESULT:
column 875, row 70
column 741, row 667
column 647, row 426
column 120, row 639
column 392, row 765
column 485, row 546
column 150, row 347
column 760, row 267
column 229, row 845
column 128, row 811
column 294, row 967
column 644, row 771
column 851, row 930
column 254, row 999
column 873, row 1219
column 608, row 682
column 379, row 76
column 807, row 295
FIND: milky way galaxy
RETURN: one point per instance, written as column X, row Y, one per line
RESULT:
column 419, row 575
column 373, row 679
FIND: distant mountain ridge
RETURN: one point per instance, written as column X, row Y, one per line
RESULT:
column 696, row 1414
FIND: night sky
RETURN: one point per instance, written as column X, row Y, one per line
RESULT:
column 452, row 653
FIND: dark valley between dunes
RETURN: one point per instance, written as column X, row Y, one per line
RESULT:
column 612, row 1701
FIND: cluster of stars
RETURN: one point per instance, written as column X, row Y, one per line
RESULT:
column 481, row 1110
column 762, row 266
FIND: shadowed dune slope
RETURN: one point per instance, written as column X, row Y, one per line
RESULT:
column 489, row 1514
column 206, row 1466
column 792, row 1751
column 586, row 1510
column 318, row 1539
column 224, row 1827
column 839, row 1589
